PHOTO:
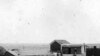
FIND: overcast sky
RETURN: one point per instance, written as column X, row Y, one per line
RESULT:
column 42, row 21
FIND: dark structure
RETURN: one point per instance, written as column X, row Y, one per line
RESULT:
column 93, row 51
column 55, row 46
column 4, row 52
column 8, row 54
column 73, row 49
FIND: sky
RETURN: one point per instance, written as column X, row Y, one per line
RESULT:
column 42, row 21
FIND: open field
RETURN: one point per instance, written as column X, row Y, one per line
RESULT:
column 28, row 49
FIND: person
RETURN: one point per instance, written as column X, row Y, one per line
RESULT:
column 75, row 51
column 95, row 53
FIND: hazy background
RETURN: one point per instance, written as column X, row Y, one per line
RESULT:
column 42, row 21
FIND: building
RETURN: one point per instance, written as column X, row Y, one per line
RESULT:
column 64, row 48
column 73, row 49
column 79, row 50
column 55, row 46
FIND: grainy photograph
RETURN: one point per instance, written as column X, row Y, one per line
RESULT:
column 49, row 27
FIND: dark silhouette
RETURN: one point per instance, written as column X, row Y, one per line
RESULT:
column 4, row 52
column 93, row 51
column 55, row 46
